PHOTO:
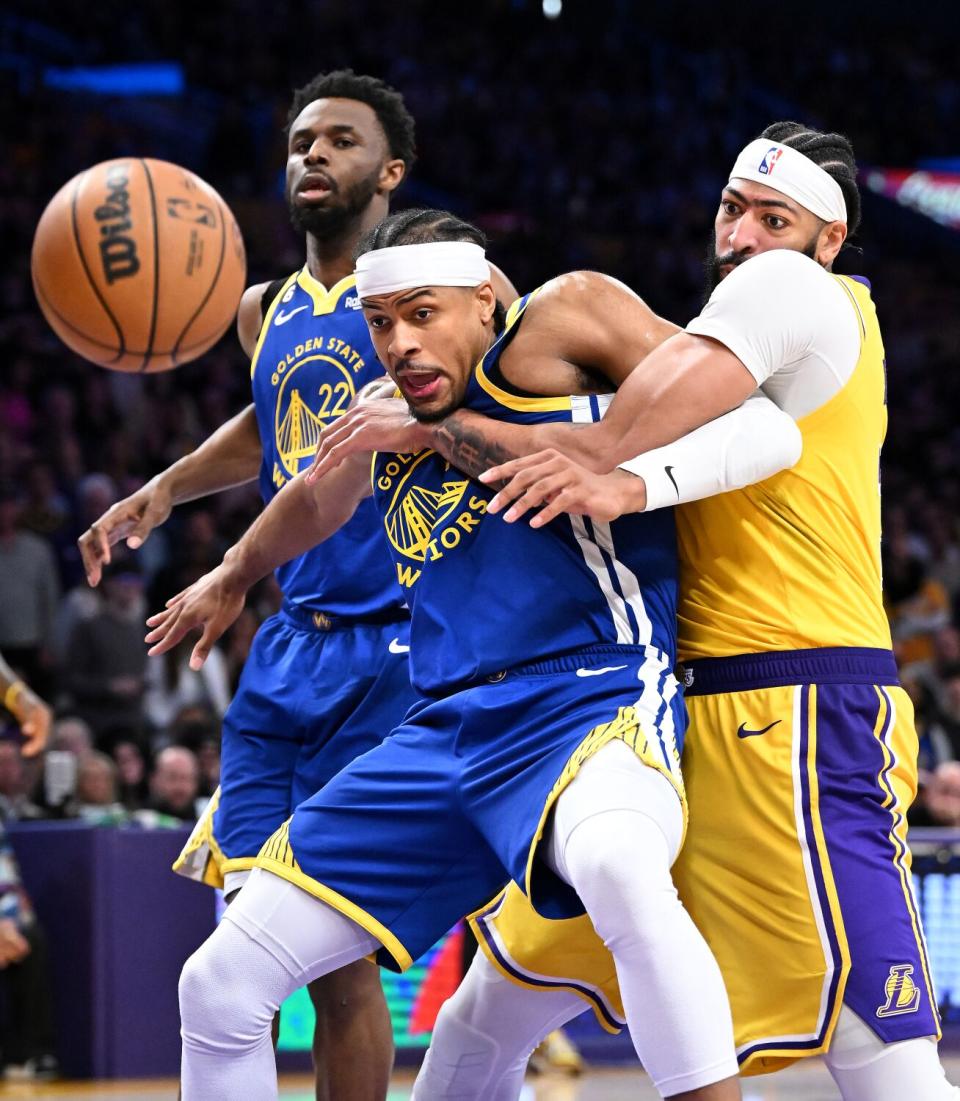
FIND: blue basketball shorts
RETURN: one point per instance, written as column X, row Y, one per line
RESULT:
column 315, row 693
column 430, row 824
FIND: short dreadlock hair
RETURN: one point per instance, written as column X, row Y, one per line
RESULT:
column 386, row 102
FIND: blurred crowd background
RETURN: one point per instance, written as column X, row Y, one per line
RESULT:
column 598, row 139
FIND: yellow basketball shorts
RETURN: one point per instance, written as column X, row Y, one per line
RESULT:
column 799, row 769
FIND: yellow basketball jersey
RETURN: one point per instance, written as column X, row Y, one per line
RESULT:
column 794, row 562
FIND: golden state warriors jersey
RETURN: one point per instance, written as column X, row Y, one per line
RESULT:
column 313, row 355
column 488, row 596
column 794, row 562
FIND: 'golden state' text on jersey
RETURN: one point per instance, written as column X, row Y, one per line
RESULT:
column 313, row 354
column 488, row 596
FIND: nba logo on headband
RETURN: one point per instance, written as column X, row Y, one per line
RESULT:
column 770, row 159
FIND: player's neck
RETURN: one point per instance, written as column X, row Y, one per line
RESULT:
column 330, row 259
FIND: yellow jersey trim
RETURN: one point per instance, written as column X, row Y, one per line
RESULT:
column 516, row 980
column 324, row 301
column 856, row 305
column 625, row 727
column 830, row 886
column 504, row 397
column 897, row 835
column 216, row 863
column 267, row 318
column 277, row 857
column 522, row 405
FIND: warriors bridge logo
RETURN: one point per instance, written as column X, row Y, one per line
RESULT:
column 423, row 520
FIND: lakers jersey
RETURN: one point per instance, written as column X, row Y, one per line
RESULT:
column 487, row 596
column 312, row 356
column 794, row 562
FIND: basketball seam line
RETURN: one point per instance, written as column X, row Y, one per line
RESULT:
column 156, row 267
column 86, row 268
column 205, row 343
column 210, row 289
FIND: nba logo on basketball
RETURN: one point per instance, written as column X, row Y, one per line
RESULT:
column 769, row 161
column 903, row 996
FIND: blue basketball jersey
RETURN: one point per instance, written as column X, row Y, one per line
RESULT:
column 312, row 356
column 488, row 596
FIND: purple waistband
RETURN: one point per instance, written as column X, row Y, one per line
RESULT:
column 829, row 665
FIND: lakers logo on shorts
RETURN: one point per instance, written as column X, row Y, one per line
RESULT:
column 415, row 513
column 903, row 996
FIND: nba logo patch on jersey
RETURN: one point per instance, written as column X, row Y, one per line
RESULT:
column 769, row 161
column 903, row 996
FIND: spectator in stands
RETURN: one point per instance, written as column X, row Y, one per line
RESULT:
column 26, row 1033
column 172, row 686
column 208, row 757
column 72, row 735
column 175, row 784
column 96, row 798
column 134, row 790
column 15, row 784
column 106, row 655
column 29, row 592
column 27, row 1038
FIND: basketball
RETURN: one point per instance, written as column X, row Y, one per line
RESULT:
column 138, row 265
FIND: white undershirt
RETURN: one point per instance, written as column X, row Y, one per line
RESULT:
column 797, row 331
column 791, row 324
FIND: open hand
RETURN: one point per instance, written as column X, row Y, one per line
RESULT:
column 560, row 484
column 132, row 519
column 377, row 421
column 209, row 605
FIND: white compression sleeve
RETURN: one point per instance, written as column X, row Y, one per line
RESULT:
column 867, row 1069
column 273, row 939
column 746, row 445
column 484, row 1036
column 616, row 831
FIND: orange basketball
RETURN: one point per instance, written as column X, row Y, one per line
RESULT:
column 138, row 265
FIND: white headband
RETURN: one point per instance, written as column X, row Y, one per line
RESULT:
column 792, row 174
column 435, row 264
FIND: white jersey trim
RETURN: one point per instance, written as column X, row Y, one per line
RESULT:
column 596, row 539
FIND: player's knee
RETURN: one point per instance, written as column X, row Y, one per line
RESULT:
column 460, row 1060
column 216, row 1012
column 620, row 869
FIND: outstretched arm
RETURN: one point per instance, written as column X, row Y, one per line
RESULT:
column 33, row 715
column 298, row 518
column 230, row 457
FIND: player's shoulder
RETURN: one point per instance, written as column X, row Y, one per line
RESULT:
column 775, row 270
column 582, row 286
column 254, row 303
column 577, row 299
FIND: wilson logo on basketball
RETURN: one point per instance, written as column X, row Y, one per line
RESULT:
column 118, row 253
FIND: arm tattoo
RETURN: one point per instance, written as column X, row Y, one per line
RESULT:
column 467, row 448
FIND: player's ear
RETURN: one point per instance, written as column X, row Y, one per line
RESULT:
column 486, row 299
column 391, row 175
column 831, row 241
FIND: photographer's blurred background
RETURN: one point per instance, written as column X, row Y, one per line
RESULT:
column 596, row 138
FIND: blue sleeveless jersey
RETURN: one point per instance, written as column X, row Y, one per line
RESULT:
column 313, row 354
column 488, row 596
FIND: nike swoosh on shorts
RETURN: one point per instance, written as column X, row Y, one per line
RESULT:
column 598, row 672
column 742, row 731
column 397, row 647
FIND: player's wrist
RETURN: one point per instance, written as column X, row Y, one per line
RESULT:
column 631, row 491
column 16, row 698
column 240, row 569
